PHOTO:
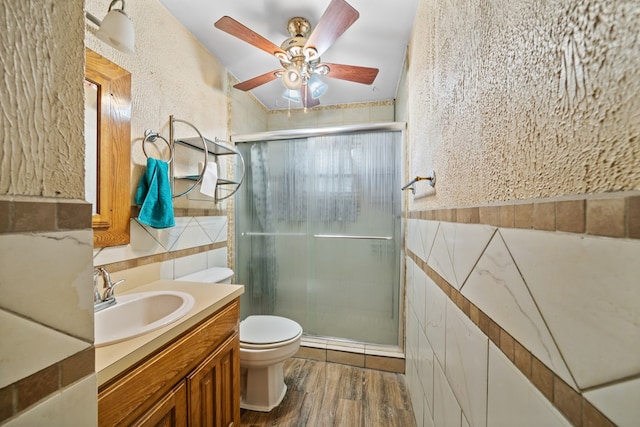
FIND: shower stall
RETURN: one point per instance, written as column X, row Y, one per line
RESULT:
column 318, row 231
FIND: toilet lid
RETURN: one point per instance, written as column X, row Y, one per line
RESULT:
column 268, row 329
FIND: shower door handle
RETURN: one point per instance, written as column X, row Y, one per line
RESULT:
column 346, row 236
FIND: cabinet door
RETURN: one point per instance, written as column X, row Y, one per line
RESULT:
column 214, row 388
column 170, row 411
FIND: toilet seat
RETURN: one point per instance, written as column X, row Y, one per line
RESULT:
column 264, row 332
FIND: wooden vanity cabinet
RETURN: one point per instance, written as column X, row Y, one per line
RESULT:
column 192, row 381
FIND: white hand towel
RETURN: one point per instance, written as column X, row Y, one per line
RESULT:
column 210, row 179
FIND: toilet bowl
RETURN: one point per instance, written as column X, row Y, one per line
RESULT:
column 265, row 343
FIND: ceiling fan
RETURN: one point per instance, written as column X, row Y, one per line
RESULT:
column 299, row 55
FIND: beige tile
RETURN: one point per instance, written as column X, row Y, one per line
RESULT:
column 312, row 353
column 384, row 351
column 390, row 364
column 633, row 217
column 606, row 217
column 5, row 216
column 77, row 366
column 345, row 358
column 73, row 216
column 522, row 359
column 568, row 401
column 570, row 216
column 34, row 216
column 468, row 215
column 544, row 216
column 542, row 378
column 507, row 216
column 591, row 417
column 507, row 344
column 6, row 402
column 490, row 215
column 523, row 215
column 37, row 386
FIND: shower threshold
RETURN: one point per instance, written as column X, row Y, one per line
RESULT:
column 363, row 355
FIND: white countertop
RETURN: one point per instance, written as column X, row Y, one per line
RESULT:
column 209, row 298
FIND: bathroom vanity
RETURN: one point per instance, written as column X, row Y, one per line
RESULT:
column 184, row 374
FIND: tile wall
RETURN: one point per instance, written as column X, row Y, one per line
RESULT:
column 198, row 241
column 525, row 314
column 46, row 316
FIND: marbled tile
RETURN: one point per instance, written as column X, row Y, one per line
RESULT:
column 497, row 288
column 218, row 258
column 76, row 405
column 619, row 402
column 63, row 278
column 419, row 301
column 168, row 237
column 513, row 400
column 435, row 327
column 588, row 295
column 142, row 244
column 414, row 241
column 21, row 352
column 466, row 364
column 425, row 364
column 189, row 264
column 428, row 230
column 446, row 410
column 192, row 236
column 214, row 226
column 465, row 243
column 409, row 280
column 440, row 259
column 411, row 336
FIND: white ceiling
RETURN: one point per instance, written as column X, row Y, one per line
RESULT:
column 377, row 39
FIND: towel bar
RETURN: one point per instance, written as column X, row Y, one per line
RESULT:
column 151, row 136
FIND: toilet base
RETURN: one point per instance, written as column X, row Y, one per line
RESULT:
column 262, row 389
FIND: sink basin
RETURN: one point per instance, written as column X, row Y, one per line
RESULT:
column 138, row 313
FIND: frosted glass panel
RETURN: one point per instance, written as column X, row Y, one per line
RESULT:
column 318, row 234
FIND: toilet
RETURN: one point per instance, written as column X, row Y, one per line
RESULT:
column 265, row 343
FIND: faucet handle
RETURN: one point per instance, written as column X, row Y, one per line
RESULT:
column 108, row 293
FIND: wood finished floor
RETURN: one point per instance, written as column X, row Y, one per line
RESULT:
column 329, row 394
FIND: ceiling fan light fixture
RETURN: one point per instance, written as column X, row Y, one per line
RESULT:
column 292, row 95
column 292, row 78
column 317, row 87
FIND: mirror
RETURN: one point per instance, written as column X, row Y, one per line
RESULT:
column 108, row 149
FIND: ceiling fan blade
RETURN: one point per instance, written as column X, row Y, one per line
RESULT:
column 236, row 29
column 353, row 73
column 334, row 21
column 307, row 100
column 257, row 81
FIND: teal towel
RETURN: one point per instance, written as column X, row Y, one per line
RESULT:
column 154, row 195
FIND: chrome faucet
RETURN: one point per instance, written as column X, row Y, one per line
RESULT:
column 107, row 299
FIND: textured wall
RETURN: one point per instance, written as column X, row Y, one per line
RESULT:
column 520, row 99
column 171, row 73
column 41, row 101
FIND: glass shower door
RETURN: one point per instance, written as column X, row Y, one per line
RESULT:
column 318, row 234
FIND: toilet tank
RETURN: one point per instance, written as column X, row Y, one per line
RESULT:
column 210, row 275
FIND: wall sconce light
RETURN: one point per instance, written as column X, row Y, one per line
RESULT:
column 116, row 29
